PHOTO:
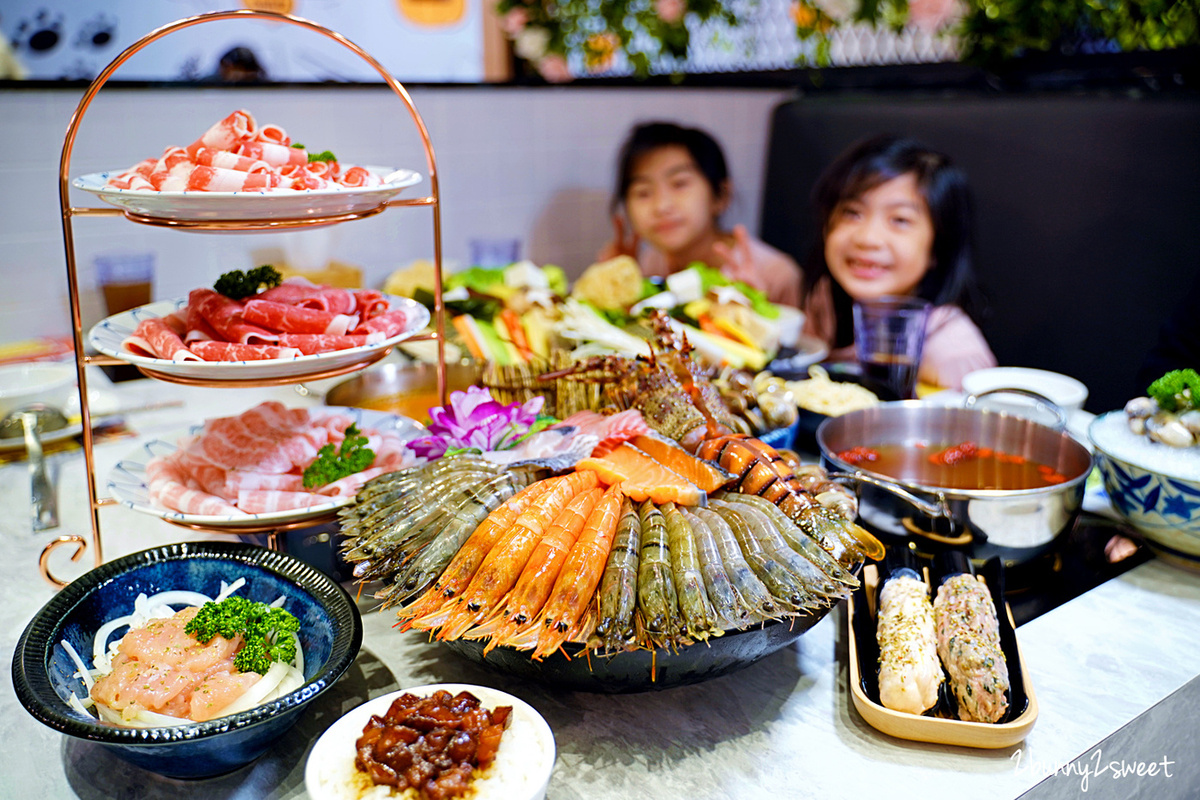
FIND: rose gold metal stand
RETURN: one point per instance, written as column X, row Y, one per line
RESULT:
column 69, row 212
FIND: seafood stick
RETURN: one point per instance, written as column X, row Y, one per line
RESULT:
column 968, row 641
column 618, row 584
column 909, row 672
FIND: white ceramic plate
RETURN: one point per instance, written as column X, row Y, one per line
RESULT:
column 230, row 206
column 101, row 402
column 127, row 482
column 108, row 335
column 332, row 758
column 809, row 350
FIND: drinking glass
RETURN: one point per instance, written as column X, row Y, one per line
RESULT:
column 126, row 279
column 888, row 335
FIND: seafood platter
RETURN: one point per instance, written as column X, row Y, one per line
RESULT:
column 626, row 551
column 934, row 654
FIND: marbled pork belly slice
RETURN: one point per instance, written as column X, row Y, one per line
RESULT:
column 226, row 134
column 225, row 317
column 273, row 134
column 156, row 339
column 237, row 480
column 232, row 351
column 268, row 438
column 197, row 472
column 389, row 323
column 359, row 177
column 207, row 157
column 909, row 672
column 280, row 156
column 266, row 501
column 296, row 319
column 220, row 179
column 311, row 344
column 968, row 636
column 297, row 291
column 177, row 497
column 349, row 485
column 132, row 181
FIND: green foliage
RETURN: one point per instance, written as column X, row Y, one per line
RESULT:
column 330, row 465
column 267, row 631
column 237, row 284
column 325, row 155
column 1178, row 390
column 599, row 31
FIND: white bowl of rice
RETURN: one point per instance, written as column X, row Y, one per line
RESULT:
column 1154, row 486
column 521, row 770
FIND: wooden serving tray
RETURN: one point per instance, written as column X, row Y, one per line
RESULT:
column 864, row 690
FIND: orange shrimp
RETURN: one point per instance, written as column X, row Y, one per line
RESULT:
column 462, row 568
column 503, row 564
column 537, row 579
column 580, row 575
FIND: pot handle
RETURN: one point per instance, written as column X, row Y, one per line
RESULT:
column 1043, row 403
column 940, row 508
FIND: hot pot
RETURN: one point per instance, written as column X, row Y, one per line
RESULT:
column 1014, row 524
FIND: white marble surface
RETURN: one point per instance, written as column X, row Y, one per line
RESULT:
column 783, row 726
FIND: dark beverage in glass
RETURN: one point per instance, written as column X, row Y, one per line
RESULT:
column 889, row 333
column 897, row 372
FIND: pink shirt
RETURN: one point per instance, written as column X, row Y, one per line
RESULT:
column 954, row 345
column 777, row 274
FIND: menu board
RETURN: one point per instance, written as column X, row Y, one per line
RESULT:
column 416, row 40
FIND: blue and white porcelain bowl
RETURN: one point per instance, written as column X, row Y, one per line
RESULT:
column 44, row 675
column 1156, row 488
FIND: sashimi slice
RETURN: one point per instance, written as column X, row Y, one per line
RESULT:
column 705, row 474
column 642, row 477
column 620, row 428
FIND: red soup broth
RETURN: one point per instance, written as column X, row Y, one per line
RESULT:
column 962, row 465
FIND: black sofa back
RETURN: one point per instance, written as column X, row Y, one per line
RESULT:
column 1087, row 211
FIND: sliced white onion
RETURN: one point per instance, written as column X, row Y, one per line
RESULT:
column 81, row 669
column 100, row 644
column 143, row 719
column 75, row 703
column 178, row 597
column 278, row 602
column 229, row 589
column 298, row 661
column 258, row 691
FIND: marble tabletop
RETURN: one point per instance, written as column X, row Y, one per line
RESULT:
column 784, row 726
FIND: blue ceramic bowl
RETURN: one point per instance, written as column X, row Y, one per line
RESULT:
column 1163, row 508
column 43, row 673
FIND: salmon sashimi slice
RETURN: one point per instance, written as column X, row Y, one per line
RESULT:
column 705, row 474
column 641, row 477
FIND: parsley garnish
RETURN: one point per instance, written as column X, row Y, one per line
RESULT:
column 266, row 630
column 237, row 284
column 330, row 465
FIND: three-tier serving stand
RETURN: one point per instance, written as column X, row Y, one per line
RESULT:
column 274, row 531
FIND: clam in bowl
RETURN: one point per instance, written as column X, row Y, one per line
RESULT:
column 1156, row 488
column 45, row 675
column 521, row 770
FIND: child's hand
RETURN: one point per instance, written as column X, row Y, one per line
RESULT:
column 621, row 245
column 739, row 261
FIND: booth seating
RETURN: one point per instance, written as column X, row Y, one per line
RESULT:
column 1087, row 209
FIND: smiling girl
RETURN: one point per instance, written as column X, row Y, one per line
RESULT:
column 895, row 220
column 673, row 186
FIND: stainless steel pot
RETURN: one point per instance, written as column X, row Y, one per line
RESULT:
column 1014, row 524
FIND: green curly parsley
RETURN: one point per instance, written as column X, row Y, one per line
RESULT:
column 330, row 465
column 237, row 284
column 323, row 156
column 266, row 630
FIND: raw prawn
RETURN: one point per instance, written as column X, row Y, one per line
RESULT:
column 618, row 585
column 726, row 602
column 784, row 584
column 700, row 620
column 466, row 561
column 657, row 601
column 537, row 579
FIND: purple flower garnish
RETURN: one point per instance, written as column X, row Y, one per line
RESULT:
column 474, row 420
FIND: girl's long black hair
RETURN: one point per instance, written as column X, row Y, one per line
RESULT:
column 651, row 136
column 871, row 162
